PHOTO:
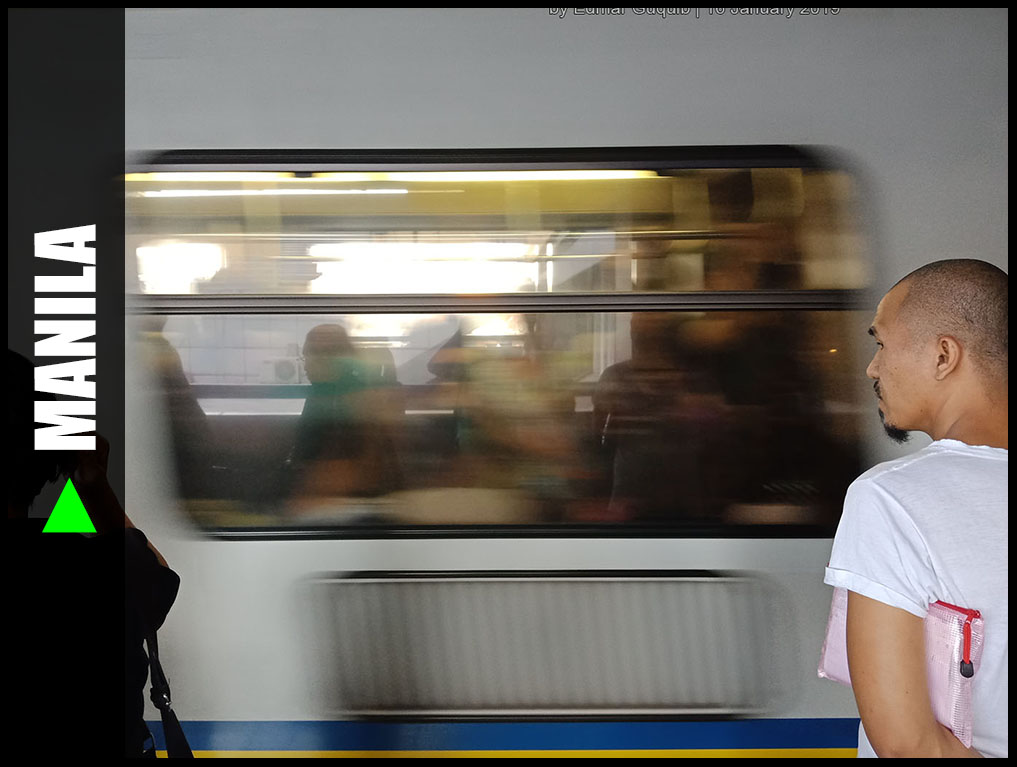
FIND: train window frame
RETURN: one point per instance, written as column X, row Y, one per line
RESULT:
column 306, row 161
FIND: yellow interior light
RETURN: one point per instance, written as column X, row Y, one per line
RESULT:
column 212, row 176
column 262, row 192
column 500, row 175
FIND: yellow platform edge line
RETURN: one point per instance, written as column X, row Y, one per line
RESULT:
column 719, row 753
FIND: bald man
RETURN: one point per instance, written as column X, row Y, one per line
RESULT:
column 933, row 525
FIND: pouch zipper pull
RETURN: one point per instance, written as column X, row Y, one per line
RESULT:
column 967, row 668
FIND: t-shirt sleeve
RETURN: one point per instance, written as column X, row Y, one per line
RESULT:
column 878, row 551
column 151, row 587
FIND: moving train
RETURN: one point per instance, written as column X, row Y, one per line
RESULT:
column 461, row 451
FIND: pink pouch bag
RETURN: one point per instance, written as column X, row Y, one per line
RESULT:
column 833, row 662
column 953, row 651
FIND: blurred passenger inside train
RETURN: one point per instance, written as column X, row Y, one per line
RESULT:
column 758, row 362
column 513, row 451
column 660, row 419
column 771, row 399
column 757, row 222
column 344, row 444
column 190, row 434
column 514, row 427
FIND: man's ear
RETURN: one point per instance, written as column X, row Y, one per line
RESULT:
column 948, row 356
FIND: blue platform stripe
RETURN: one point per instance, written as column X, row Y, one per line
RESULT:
column 516, row 736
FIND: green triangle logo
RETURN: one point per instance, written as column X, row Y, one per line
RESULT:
column 69, row 515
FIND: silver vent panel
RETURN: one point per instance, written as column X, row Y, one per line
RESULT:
column 549, row 645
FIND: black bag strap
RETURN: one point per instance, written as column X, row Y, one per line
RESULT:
column 176, row 742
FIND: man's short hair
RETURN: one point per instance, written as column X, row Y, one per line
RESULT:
column 328, row 340
column 966, row 299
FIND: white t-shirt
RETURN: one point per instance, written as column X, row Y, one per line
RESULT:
column 934, row 526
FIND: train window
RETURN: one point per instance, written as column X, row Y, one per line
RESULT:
column 348, row 347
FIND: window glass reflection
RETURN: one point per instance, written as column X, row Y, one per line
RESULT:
column 458, row 233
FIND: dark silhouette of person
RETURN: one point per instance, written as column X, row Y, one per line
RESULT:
column 69, row 595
